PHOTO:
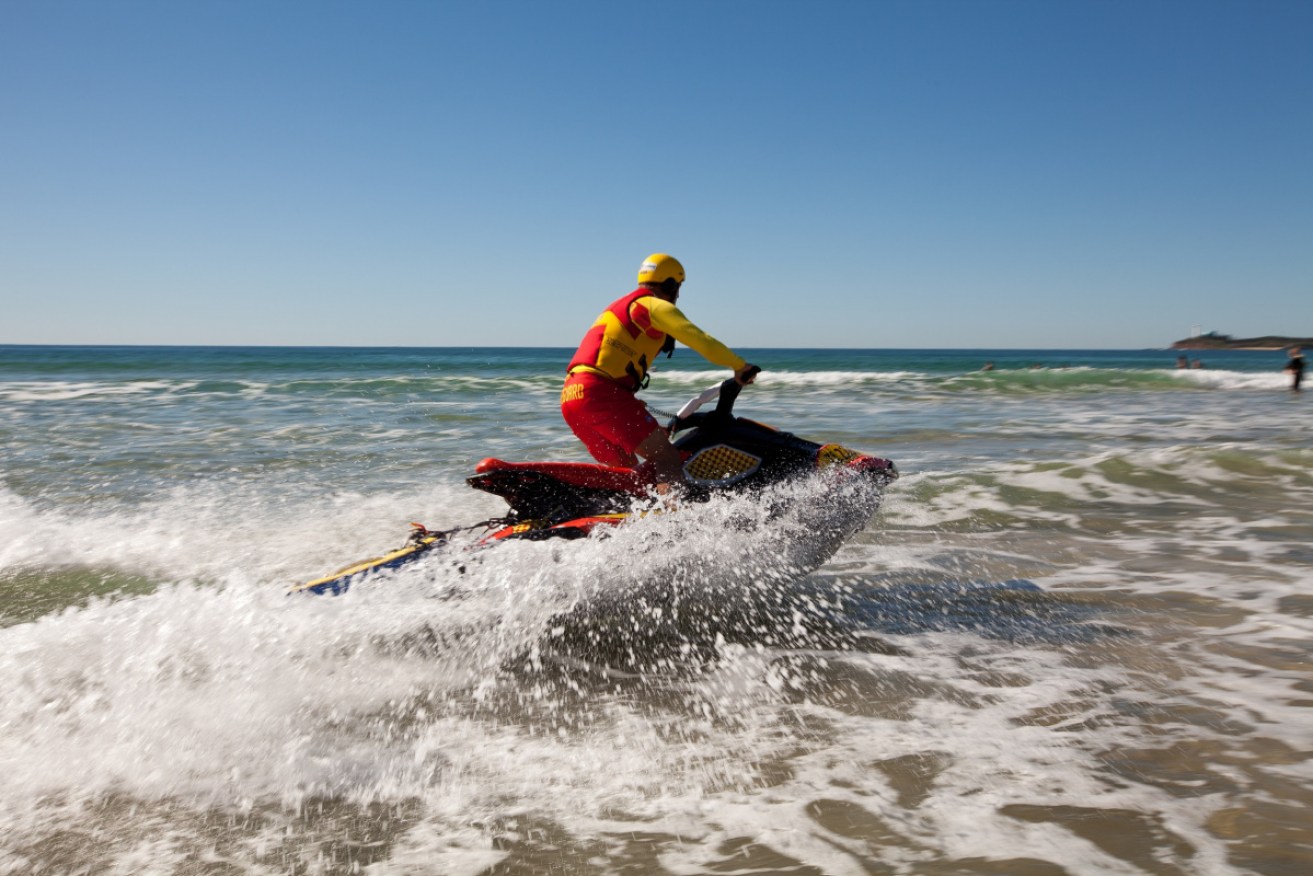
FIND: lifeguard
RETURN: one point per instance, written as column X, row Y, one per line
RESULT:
column 612, row 362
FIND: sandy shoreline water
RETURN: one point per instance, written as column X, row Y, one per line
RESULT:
column 1075, row 640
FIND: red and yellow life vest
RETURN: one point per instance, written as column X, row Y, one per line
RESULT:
column 622, row 342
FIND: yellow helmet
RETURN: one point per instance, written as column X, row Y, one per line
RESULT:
column 659, row 267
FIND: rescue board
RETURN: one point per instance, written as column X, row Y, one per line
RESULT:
column 340, row 581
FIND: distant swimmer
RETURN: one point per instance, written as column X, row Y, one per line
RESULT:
column 1197, row 364
column 1295, row 368
column 989, row 366
column 1182, row 362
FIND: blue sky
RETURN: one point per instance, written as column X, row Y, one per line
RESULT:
column 996, row 173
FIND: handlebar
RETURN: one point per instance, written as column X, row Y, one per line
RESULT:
column 725, row 393
column 729, row 393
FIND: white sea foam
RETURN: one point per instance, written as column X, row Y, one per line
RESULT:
column 211, row 531
column 1233, row 380
column 1078, row 616
column 774, row 379
column 69, row 390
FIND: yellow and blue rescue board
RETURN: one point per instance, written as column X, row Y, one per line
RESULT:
column 340, row 581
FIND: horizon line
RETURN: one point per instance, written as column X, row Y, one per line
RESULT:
column 5, row 344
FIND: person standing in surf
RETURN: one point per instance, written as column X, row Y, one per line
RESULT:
column 1295, row 368
column 611, row 364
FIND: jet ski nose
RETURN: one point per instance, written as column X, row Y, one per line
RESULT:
column 875, row 466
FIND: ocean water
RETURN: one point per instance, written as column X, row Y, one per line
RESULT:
column 1076, row 638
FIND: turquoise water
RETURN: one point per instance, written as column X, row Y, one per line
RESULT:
column 1074, row 639
column 108, row 423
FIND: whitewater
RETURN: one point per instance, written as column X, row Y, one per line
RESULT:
column 1076, row 638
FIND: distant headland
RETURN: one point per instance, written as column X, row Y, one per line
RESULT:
column 1215, row 341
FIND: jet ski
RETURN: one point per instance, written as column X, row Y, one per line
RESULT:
column 722, row 453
